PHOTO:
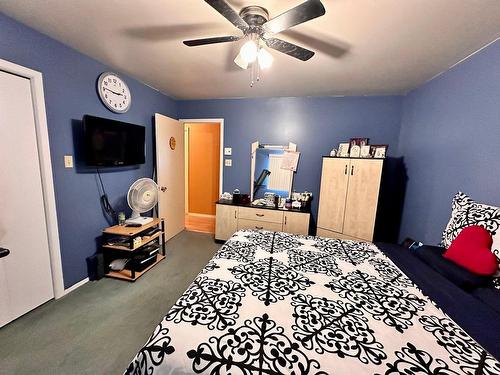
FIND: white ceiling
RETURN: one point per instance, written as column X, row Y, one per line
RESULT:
column 372, row 46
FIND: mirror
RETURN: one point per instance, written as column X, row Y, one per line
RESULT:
column 267, row 176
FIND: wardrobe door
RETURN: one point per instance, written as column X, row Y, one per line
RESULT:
column 334, row 181
column 362, row 198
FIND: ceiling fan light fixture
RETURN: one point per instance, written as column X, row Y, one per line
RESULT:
column 265, row 59
column 241, row 62
column 257, row 28
column 249, row 51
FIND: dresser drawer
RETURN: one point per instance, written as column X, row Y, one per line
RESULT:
column 255, row 224
column 272, row 216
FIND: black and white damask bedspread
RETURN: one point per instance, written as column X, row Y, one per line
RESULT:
column 275, row 303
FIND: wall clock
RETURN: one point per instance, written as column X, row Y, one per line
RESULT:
column 114, row 92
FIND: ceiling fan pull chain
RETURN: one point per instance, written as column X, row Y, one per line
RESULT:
column 252, row 75
column 257, row 67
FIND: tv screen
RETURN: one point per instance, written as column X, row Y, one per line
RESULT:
column 113, row 143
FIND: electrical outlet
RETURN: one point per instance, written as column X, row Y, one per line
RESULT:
column 228, row 163
column 68, row 161
column 228, row 151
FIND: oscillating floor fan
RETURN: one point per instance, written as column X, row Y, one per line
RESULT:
column 142, row 197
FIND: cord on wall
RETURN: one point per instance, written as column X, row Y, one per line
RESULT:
column 106, row 206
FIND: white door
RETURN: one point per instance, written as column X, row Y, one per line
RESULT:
column 25, row 275
column 170, row 173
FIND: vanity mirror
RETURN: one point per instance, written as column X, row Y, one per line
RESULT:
column 267, row 176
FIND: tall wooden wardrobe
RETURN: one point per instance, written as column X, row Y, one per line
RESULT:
column 348, row 198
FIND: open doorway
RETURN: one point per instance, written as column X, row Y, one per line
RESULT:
column 203, row 158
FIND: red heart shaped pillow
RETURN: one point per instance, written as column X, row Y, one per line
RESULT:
column 472, row 250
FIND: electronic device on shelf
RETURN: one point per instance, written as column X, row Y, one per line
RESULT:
column 150, row 250
column 118, row 241
column 141, row 197
column 151, row 232
column 142, row 261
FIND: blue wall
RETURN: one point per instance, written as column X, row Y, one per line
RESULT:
column 447, row 132
column 316, row 124
column 70, row 92
column 450, row 140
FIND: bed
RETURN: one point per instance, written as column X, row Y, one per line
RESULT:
column 276, row 303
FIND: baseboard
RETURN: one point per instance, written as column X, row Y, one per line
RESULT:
column 75, row 286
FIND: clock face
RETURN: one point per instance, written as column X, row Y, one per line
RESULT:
column 114, row 92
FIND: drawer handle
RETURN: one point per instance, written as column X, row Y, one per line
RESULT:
column 259, row 215
column 259, row 227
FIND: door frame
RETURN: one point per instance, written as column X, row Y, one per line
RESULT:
column 219, row 121
column 42, row 139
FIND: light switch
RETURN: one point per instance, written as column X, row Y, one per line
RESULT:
column 228, row 151
column 68, row 161
column 228, row 162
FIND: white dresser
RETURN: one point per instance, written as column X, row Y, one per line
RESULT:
column 232, row 217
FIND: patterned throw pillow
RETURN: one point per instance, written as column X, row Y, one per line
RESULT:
column 465, row 212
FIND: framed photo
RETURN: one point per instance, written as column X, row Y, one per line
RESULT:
column 359, row 142
column 355, row 151
column 343, row 149
column 378, row 151
column 365, row 152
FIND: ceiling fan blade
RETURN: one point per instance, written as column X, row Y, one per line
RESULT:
column 302, row 13
column 229, row 13
column 217, row 39
column 320, row 42
column 289, row 48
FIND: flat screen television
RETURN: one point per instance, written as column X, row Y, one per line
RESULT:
column 113, row 143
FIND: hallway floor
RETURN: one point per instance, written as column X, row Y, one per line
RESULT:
column 202, row 224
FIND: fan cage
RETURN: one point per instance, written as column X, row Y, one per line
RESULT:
column 142, row 195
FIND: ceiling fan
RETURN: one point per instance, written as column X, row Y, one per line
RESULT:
column 253, row 21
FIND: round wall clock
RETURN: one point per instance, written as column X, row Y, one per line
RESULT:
column 114, row 92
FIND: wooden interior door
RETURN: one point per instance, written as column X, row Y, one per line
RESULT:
column 362, row 198
column 170, row 173
column 332, row 198
column 25, row 273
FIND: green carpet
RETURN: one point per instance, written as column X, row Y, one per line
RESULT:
column 98, row 328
